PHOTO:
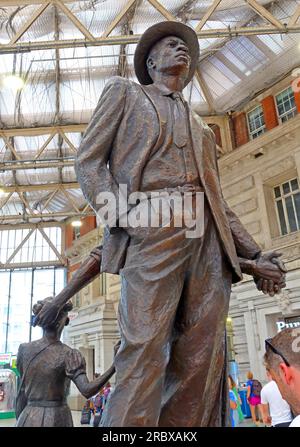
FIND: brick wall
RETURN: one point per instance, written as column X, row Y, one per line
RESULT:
column 270, row 112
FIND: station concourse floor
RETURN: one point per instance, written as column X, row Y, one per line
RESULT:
column 76, row 420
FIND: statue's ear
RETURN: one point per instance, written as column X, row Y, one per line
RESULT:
column 150, row 63
column 67, row 321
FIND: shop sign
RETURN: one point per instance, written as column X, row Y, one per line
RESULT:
column 284, row 325
column 72, row 315
column 5, row 359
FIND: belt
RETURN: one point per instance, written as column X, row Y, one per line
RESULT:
column 46, row 403
column 180, row 189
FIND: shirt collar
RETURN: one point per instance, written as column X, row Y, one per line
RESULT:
column 163, row 90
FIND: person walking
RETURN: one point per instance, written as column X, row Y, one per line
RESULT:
column 275, row 410
column 254, row 388
column 239, row 416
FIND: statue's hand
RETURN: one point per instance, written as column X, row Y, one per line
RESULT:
column 47, row 315
column 74, row 363
column 269, row 273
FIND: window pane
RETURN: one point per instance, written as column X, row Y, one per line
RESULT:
column 59, row 280
column 277, row 191
column 295, row 184
column 281, row 218
column 286, row 188
column 291, row 214
column 19, row 310
column 4, row 280
column 297, row 205
column 286, row 104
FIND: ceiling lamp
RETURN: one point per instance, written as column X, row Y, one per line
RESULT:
column 13, row 82
column 76, row 223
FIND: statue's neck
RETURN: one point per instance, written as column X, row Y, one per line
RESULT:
column 174, row 83
column 51, row 335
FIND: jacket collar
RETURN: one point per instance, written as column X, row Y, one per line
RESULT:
column 162, row 90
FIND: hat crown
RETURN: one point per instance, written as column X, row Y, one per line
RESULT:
column 153, row 35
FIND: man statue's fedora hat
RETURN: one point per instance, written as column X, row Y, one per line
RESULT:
column 158, row 32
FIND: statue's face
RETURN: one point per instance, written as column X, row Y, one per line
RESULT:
column 170, row 56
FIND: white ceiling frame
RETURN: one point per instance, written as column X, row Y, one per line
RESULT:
column 78, row 24
column 205, row 90
column 6, row 200
column 41, row 150
column 295, row 17
column 159, row 7
column 265, row 14
column 207, row 15
column 70, row 200
column 66, row 139
column 18, row 248
column 10, row 146
column 49, row 199
column 29, row 23
column 51, row 245
column 119, row 17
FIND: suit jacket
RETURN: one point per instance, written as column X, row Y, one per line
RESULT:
column 128, row 125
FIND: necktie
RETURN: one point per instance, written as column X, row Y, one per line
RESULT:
column 180, row 131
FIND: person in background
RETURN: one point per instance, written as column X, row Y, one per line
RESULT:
column 238, row 413
column 282, row 359
column 232, row 404
column 253, row 396
column 276, row 411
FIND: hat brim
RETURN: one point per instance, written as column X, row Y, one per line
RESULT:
column 158, row 32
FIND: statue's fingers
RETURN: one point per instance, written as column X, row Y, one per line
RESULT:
column 280, row 264
column 265, row 286
column 259, row 284
column 271, row 288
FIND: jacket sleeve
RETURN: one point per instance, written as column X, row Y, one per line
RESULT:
column 245, row 245
column 92, row 163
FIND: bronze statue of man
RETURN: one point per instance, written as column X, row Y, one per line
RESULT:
column 171, row 365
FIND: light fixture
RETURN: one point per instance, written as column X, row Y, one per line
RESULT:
column 13, row 82
column 229, row 320
column 76, row 223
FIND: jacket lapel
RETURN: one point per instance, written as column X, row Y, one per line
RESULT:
column 197, row 143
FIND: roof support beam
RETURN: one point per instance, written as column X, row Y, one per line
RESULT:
column 28, row 24
column 205, row 90
column 159, row 7
column 207, row 15
column 119, row 17
column 295, row 17
column 119, row 40
column 265, row 14
column 45, row 130
column 74, row 20
column 29, row 216
column 20, row 246
column 50, row 243
column 40, row 187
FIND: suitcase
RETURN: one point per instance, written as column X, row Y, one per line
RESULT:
column 97, row 420
column 85, row 417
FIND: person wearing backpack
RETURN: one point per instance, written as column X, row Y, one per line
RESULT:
column 254, row 388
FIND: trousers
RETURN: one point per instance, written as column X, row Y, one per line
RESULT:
column 171, row 365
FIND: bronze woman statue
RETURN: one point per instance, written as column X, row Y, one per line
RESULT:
column 47, row 367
